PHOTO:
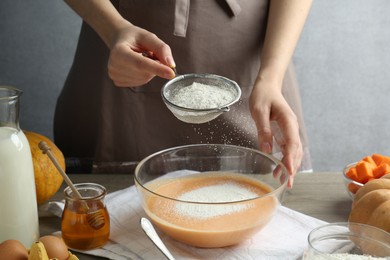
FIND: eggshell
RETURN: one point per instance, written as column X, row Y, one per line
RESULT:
column 55, row 247
column 13, row 250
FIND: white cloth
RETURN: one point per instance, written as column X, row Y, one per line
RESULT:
column 285, row 237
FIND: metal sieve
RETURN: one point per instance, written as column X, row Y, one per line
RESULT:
column 198, row 116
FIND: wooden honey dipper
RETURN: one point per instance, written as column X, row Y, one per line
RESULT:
column 95, row 219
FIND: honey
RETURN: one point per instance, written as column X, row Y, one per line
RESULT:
column 77, row 230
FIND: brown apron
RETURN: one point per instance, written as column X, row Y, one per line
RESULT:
column 117, row 127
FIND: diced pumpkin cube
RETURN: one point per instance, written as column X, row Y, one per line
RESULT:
column 381, row 170
column 377, row 158
column 364, row 171
column 370, row 160
column 352, row 174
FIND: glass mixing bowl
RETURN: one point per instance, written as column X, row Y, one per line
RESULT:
column 347, row 241
column 210, row 195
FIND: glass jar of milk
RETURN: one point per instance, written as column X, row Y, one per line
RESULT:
column 18, row 205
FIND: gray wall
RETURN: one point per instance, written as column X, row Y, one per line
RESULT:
column 37, row 43
column 342, row 61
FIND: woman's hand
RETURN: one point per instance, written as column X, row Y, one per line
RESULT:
column 285, row 23
column 268, row 104
column 137, row 56
column 127, row 65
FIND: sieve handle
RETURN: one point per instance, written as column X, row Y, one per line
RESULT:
column 224, row 109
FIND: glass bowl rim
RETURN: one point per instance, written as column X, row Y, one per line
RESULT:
column 277, row 162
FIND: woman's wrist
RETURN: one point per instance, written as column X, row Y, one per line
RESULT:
column 113, row 33
column 270, row 77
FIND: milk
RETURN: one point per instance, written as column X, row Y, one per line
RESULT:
column 18, row 205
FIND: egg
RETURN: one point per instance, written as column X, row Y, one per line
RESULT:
column 13, row 250
column 55, row 247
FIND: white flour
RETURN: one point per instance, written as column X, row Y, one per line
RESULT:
column 344, row 257
column 227, row 192
column 201, row 96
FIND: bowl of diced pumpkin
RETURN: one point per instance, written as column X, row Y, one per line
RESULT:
column 368, row 168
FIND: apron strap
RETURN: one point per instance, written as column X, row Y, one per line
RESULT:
column 182, row 12
column 234, row 7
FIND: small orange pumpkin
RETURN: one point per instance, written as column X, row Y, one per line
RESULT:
column 47, row 178
column 371, row 204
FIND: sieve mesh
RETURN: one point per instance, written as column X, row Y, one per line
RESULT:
column 186, row 80
column 198, row 116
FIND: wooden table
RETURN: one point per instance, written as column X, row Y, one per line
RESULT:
column 321, row 195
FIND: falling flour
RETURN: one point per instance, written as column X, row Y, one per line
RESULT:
column 202, row 96
column 220, row 193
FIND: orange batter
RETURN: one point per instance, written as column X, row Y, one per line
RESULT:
column 216, row 224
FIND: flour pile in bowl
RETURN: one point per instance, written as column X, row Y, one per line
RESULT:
column 225, row 192
column 202, row 96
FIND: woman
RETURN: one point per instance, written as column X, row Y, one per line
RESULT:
column 112, row 94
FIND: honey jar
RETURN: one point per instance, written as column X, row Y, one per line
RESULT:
column 85, row 222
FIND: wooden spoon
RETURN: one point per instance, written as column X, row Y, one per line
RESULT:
column 95, row 219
